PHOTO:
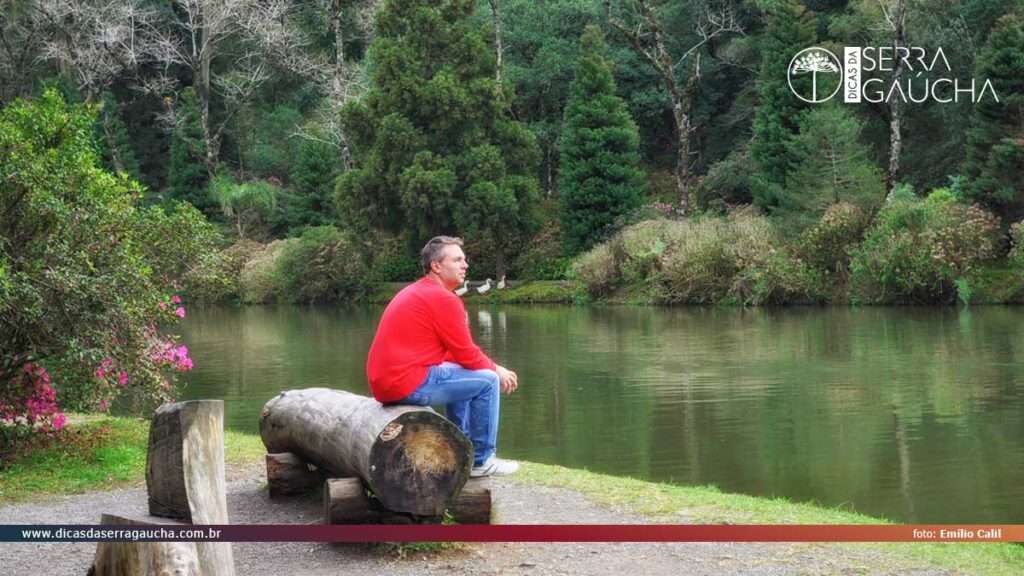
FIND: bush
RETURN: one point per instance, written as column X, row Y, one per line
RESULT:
column 541, row 258
column 639, row 249
column 87, row 275
column 216, row 277
column 178, row 237
column 597, row 270
column 1016, row 255
column 392, row 260
column 735, row 259
column 323, row 265
column 258, row 282
column 918, row 249
column 826, row 247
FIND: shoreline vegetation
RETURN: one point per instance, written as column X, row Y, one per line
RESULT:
column 99, row 452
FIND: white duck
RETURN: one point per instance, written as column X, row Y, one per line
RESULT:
column 483, row 288
column 463, row 289
column 501, row 283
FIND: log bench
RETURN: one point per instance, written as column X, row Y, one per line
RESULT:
column 376, row 464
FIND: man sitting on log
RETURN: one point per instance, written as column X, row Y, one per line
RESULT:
column 423, row 354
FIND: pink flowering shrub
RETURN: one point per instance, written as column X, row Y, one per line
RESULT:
column 30, row 400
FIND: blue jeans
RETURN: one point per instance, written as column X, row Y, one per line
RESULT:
column 470, row 399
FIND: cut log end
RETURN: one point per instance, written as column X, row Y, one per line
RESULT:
column 419, row 459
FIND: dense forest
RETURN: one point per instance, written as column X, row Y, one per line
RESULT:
column 655, row 151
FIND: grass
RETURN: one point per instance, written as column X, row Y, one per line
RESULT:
column 96, row 453
column 707, row 505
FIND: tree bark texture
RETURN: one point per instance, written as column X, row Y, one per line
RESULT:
column 347, row 502
column 497, row 40
column 413, row 459
column 896, row 105
column 145, row 558
column 473, row 504
column 185, row 473
column 287, row 474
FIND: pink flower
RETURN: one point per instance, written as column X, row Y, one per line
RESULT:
column 59, row 420
column 180, row 312
column 176, row 299
column 122, row 379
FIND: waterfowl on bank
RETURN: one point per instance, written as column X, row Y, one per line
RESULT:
column 463, row 289
column 483, row 288
column 501, row 283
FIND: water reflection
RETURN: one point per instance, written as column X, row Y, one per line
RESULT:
column 912, row 414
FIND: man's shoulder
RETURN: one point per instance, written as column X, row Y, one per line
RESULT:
column 424, row 290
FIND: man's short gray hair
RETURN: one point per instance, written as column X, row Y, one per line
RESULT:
column 432, row 252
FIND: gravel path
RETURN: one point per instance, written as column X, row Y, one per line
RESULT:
column 514, row 504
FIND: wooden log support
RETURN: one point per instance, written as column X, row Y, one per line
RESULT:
column 346, row 502
column 473, row 504
column 185, row 473
column 412, row 459
column 145, row 558
column 287, row 475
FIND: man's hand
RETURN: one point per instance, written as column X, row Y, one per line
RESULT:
column 509, row 380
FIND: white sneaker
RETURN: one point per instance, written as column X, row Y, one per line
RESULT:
column 494, row 466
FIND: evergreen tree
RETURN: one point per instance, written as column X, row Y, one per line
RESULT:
column 790, row 28
column 831, row 166
column 995, row 143
column 435, row 147
column 186, row 173
column 600, row 180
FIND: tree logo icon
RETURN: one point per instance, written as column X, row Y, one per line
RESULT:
column 814, row 61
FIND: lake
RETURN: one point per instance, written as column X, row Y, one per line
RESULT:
column 912, row 414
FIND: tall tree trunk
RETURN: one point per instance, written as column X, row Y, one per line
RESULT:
column 682, row 108
column 203, row 92
column 497, row 39
column 339, row 43
column 896, row 105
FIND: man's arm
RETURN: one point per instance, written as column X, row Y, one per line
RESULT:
column 509, row 379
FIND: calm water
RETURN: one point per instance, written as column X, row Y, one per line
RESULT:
column 912, row 414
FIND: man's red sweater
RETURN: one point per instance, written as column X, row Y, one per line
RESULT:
column 423, row 325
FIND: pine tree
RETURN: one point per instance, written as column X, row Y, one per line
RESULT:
column 600, row 180
column 995, row 143
column 831, row 166
column 791, row 28
column 186, row 172
column 435, row 147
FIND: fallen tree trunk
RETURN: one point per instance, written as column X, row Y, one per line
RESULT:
column 413, row 459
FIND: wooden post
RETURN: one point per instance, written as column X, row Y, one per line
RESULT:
column 145, row 558
column 185, row 473
column 413, row 459
column 473, row 504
